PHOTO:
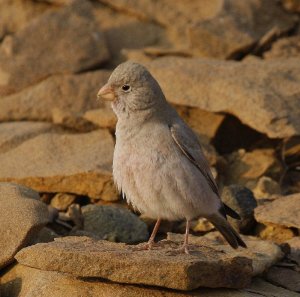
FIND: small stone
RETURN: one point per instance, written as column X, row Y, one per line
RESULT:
column 284, row 277
column 114, row 224
column 284, row 211
column 22, row 216
column 41, row 59
column 59, row 162
column 274, row 233
column 266, row 188
column 62, row 201
column 202, row 225
column 294, row 244
column 241, row 200
column 161, row 266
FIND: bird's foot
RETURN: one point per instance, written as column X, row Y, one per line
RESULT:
column 184, row 249
column 145, row 246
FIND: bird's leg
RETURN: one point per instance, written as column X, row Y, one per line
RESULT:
column 152, row 237
column 185, row 246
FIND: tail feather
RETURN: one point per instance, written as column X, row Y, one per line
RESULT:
column 229, row 211
column 232, row 237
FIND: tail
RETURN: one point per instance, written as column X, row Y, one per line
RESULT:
column 232, row 237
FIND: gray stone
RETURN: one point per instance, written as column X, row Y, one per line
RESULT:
column 114, row 223
column 240, row 199
column 21, row 218
column 71, row 43
column 162, row 266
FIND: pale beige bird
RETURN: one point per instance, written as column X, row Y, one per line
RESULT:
column 158, row 163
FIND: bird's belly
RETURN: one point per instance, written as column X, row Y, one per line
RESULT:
column 163, row 185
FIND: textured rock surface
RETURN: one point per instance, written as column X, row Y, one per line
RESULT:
column 262, row 94
column 114, row 224
column 263, row 254
column 274, row 233
column 21, row 218
column 285, row 47
column 79, row 163
column 27, row 282
column 21, row 53
column 214, row 27
column 240, row 199
column 237, row 27
column 266, row 188
column 25, row 10
column 14, row 133
column 77, row 93
column 284, row 211
column 161, row 267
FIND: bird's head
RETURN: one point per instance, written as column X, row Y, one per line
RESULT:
column 131, row 88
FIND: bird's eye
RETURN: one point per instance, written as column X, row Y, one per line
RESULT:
column 126, row 88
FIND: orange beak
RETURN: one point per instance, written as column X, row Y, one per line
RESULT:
column 106, row 93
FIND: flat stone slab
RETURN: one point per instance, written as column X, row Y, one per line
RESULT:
column 284, row 211
column 163, row 266
column 56, row 162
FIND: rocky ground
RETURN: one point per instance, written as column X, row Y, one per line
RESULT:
column 232, row 70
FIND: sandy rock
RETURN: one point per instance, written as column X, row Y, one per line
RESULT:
column 118, row 262
column 14, row 133
column 25, row 12
column 291, row 5
column 102, row 117
column 284, row 48
column 274, row 233
column 225, row 36
column 125, row 31
column 71, row 120
column 210, row 23
column 22, row 53
column 76, row 93
column 175, row 17
column 24, row 281
column 240, row 199
column 247, row 167
column 62, row 201
column 72, row 163
column 114, row 224
column 284, row 277
column 283, row 211
column 21, row 218
column 202, row 122
column 266, row 188
column 263, row 254
column 243, row 89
